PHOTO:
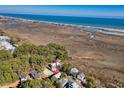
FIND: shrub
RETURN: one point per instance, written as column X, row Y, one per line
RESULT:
column 14, row 40
column 90, row 83
column 63, row 75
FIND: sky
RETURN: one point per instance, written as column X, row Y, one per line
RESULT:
column 67, row 10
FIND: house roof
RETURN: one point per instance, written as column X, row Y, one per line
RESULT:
column 55, row 64
column 34, row 74
column 73, row 71
column 71, row 84
column 4, row 42
column 81, row 76
column 47, row 72
column 24, row 78
column 57, row 75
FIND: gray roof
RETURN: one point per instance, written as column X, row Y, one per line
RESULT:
column 34, row 74
column 81, row 76
column 71, row 84
column 73, row 71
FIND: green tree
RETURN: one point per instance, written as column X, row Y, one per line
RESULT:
column 31, row 84
column 21, row 65
column 58, row 50
column 63, row 75
column 5, row 55
column 51, row 49
column 47, row 83
column 53, row 79
column 15, row 66
column 37, row 59
column 43, row 50
column 27, row 57
column 38, row 68
column 10, row 68
column 25, row 49
column 90, row 82
column 2, row 79
column 50, row 58
column 66, row 67
column 7, row 75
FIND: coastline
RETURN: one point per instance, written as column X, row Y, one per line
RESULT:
column 92, row 29
column 103, row 55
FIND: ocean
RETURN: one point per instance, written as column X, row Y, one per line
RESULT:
column 83, row 21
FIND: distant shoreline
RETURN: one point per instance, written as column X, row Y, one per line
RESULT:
column 92, row 29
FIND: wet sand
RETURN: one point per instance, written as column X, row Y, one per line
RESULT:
column 102, row 55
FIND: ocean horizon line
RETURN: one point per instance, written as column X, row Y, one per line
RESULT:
column 106, row 17
column 111, row 31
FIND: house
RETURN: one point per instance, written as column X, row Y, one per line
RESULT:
column 47, row 72
column 57, row 75
column 73, row 71
column 84, row 82
column 71, row 84
column 33, row 74
column 81, row 76
column 23, row 79
column 54, row 66
column 5, row 44
column 62, row 81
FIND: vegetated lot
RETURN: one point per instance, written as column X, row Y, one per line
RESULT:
column 24, row 68
column 25, row 58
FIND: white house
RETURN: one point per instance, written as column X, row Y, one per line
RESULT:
column 5, row 44
column 23, row 79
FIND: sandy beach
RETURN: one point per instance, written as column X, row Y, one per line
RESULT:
column 100, row 52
